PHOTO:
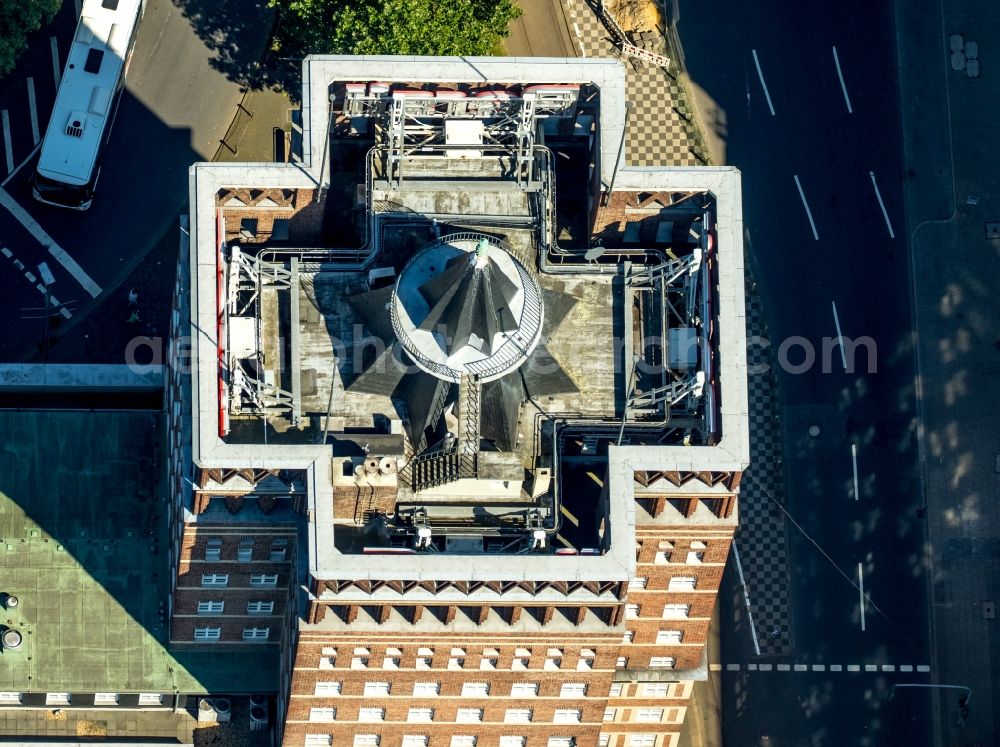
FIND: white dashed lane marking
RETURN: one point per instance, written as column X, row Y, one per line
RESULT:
column 754, row 667
column 30, row 277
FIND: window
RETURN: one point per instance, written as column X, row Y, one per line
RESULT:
column 622, row 662
column 458, row 652
column 681, row 583
column 524, row 690
column 371, row 714
column 552, row 664
column 455, row 663
column 649, row 715
column 213, row 550
column 328, row 651
column 660, row 558
column 393, row 652
column 669, row 637
column 517, row 716
column 207, row 634
column 695, row 557
column 390, row 662
column 586, row 661
column 215, row 579
column 662, row 662
column 105, row 698
column 10, row 698
column 519, row 664
column 256, row 634
column 603, row 740
column 561, row 742
column 488, row 663
column 696, row 545
column 573, row 690
column 361, row 651
column 210, row 607
column 422, row 662
column 279, row 549
column 93, row 62
column 627, row 636
column 656, row 689
column 616, row 690
column 426, row 689
column 150, row 699
column 327, row 662
column 366, row 740
column 327, row 688
column 609, row 714
column 319, row 740
column 637, row 584
column 57, row 698
column 420, row 715
column 322, row 714
column 475, row 690
column 566, row 716
column 423, row 651
column 512, row 741
column 642, row 740
column 469, row 715
column 522, row 652
column 376, row 688
column 631, row 611
column 264, row 579
column 676, row 611
column 463, row 740
column 414, row 740
column 244, row 553
column 359, row 662
column 260, row 608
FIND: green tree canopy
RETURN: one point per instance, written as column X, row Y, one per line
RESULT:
column 18, row 18
column 417, row 27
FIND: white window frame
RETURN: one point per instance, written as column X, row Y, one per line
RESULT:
column 214, row 580
column 609, row 714
column 319, row 740
column 631, row 611
column 517, row 716
column 695, row 557
column 327, row 687
column 371, row 714
column 676, row 611
column 647, row 739
column 327, row 662
column 512, row 740
column 662, row 662
column 244, row 551
column 279, row 550
column 573, row 690
column 560, row 742
column 260, row 607
column 682, row 583
column 366, row 740
column 322, row 714
column 211, row 607
column 469, row 716
column 11, row 698
column 655, row 689
column 616, row 690
column 669, row 637
column 567, row 716
column 377, row 689
column 150, row 699
column 105, row 698
column 420, row 715
column 58, row 698
column 415, row 740
column 637, row 584
column 255, row 634
column 475, row 689
column 264, row 580
column 209, row 633
column 422, row 662
column 391, row 662
column 213, row 550
column 524, row 690
column 426, row 689
column 463, row 740
column 648, row 715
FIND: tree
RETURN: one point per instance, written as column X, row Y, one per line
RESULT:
column 18, row 18
column 415, row 27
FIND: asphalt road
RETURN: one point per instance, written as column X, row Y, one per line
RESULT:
column 181, row 92
column 817, row 137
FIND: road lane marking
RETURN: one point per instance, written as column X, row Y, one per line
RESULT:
column 751, row 667
column 7, row 148
column 55, row 59
column 871, row 668
column 923, row 668
column 746, row 597
column 847, row 99
column 836, row 668
column 55, row 250
column 732, row 667
column 853, row 668
column 861, row 594
column 819, row 667
column 30, row 275
column 805, row 204
column 854, row 461
column 840, row 337
column 33, row 110
column 6, row 252
column 765, row 667
column 763, row 85
column 714, row 667
column 783, row 667
column 800, row 667
column 885, row 214
column 18, row 167
column 888, row 667
column 906, row 668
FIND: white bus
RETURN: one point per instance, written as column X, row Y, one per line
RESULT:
column 86, row 103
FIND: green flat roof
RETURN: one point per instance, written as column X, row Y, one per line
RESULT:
column 83, row 545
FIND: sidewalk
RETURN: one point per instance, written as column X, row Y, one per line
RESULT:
column 951, row 124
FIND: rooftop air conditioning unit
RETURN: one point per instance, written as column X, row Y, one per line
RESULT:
column 206, row 711
column 258, row 716
column 223, row 709
column 76, row 123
